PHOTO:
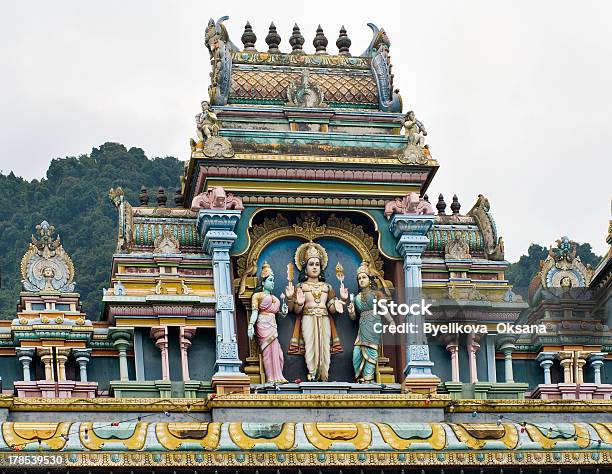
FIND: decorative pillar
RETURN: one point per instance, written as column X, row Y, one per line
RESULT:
column 472, row 347
column 453, row 348
column 46, row 356
column 61, row 355
column 596, row 359
column 566, row 359
column 186, row 334
column 507, row 348
column 82, row 358
column 491, row 366
column 546, row 361
column 160, row 335
column 216, row 226
column 25, row 355
column 411, row 232
column 121, row 341
column 579, row 363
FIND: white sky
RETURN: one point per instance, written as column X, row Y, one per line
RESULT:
column 516, row 95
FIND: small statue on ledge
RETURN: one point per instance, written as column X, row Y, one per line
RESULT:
column 207, row 123
column 414, row 130
column 262, row 325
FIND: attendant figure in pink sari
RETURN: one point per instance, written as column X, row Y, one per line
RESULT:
column 263, row 326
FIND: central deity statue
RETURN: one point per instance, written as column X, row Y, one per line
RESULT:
column 313, row 300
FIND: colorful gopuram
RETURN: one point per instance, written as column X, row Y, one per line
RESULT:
column 243, row 328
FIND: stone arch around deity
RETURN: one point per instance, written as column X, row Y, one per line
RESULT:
column 307, row 227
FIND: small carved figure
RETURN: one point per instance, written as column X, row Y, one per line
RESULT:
column 365, row 352
column 216, row 198
column 305, row 93
column 207, row 123
column 262, row 325
column 412, row 203
column 414, row 130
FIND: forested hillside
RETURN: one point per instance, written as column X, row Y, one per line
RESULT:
column 73, row 198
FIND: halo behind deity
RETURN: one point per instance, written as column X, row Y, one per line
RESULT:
column 310, row 250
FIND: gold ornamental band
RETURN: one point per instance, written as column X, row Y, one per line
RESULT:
column 315, row 312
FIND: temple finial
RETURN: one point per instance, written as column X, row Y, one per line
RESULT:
column 455, row 205
column 248, row 37
column 143, row 196
column 178, row 197
column 441, row 206
column 343, row 43
column 273, row 39
column 296, row 40
column 161, row 197
column 320, row 42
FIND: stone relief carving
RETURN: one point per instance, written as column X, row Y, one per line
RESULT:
column 216, row 198
column 412, row 203
column 46, row 266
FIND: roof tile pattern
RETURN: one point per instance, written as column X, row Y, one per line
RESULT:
column 272, row 85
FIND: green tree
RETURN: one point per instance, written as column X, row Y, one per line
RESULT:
column 73, row 198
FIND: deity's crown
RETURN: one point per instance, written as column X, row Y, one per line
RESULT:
column 266, row 270
column 364, row 268
column 310, row 250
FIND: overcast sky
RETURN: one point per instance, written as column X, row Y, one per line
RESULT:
column 516, row 96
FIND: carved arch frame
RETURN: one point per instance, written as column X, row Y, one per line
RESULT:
column 308, row 228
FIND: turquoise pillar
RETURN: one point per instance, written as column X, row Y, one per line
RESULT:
column 216, row 226
column 410, row 230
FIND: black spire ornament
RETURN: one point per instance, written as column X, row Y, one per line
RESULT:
column 296, row 40
column 248, row 38
column 455, row 205
column 143, row 196
column 161, row 197
column 320, row 41
column 343, row 43
column 273, row 39
column 441, row 206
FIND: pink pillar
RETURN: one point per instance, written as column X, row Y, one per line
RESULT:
column 160, row 334
column 186, row 334
column 453, row 348
column 472, row 348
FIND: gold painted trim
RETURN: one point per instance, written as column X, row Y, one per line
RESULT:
column 286, row 186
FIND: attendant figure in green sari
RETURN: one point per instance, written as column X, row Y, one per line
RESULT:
column 365, row 353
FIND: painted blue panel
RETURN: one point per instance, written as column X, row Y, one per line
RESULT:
column 201, row 355
column 441, row 359
column 281, row 252
column 103, row 370
column 152, row 356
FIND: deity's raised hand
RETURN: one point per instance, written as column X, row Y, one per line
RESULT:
column 300, row 298
column 344, row 294
column 290, row 290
